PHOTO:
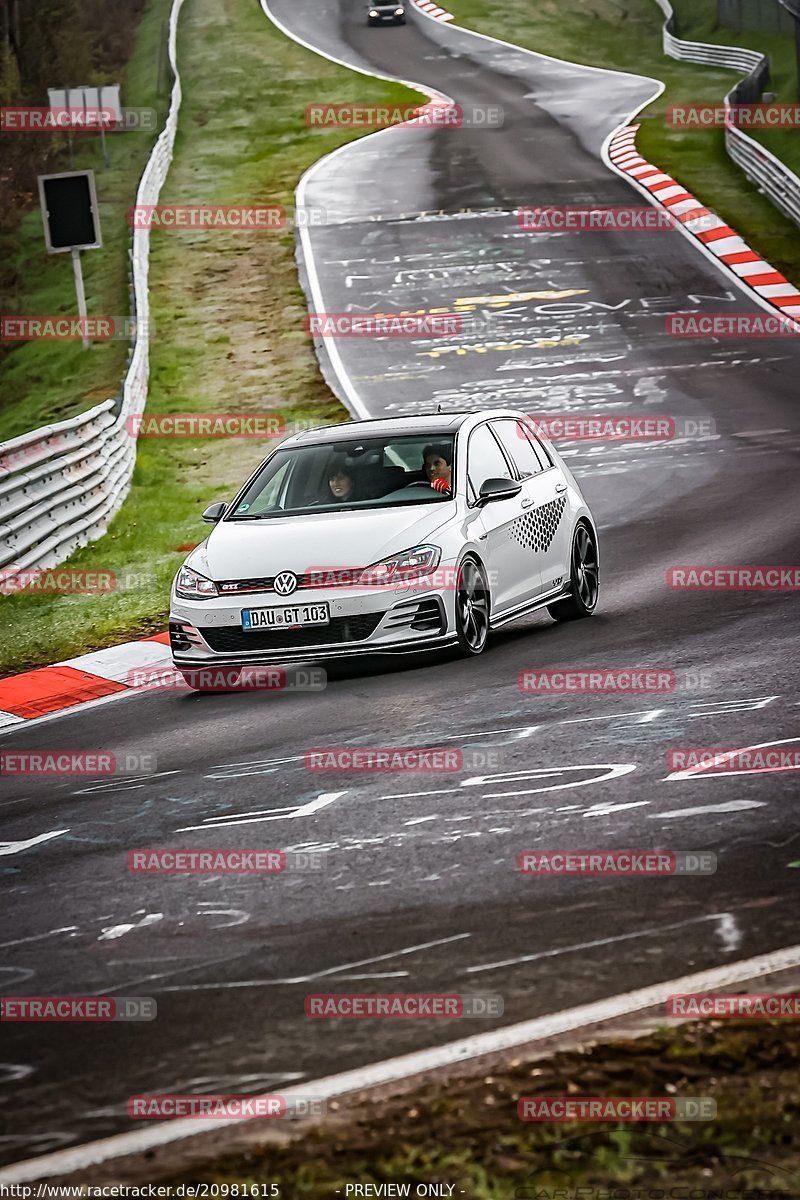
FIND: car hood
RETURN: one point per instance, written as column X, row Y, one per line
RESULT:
column 256, row 549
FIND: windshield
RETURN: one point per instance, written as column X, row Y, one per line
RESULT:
column 364, row 473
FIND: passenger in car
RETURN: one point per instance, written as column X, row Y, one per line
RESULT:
column 438, row 464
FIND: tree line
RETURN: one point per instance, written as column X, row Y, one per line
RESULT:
column 50, row 43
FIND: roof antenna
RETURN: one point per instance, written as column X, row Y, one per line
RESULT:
column 438, row 408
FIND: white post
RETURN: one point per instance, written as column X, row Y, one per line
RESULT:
column 76, row 266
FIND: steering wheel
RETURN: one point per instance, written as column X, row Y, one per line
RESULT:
column 417, row 483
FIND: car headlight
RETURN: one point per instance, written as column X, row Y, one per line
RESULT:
column 372, row 13
column 399, row 12
column 402, row 568
column 190, row 585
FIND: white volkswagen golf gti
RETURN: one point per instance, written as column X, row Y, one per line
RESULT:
column 386, row 536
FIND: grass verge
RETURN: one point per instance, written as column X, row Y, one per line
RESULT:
column 467, row 1133
column 697, row 22
column 228, row 317
column 626, row 35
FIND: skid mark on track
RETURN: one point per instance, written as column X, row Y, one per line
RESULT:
column 321, row 974
column 652, row 931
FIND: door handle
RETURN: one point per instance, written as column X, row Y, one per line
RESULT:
column 561, row 487
column 527, row 502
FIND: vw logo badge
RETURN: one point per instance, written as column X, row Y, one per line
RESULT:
column 285, row 583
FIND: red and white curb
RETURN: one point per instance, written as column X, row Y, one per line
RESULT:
column 77, row 681
column 718, row 239
column 433, row 10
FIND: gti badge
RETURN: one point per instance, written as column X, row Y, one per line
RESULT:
column 285, row 583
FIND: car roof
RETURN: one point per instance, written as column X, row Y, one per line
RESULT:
column 440, row 423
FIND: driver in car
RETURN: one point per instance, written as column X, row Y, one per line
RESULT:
column 340, row 482
column 438, row 466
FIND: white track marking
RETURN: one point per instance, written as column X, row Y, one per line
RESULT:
column 38, row 937
column 393, row 1070
column 706, row 770
column 701, row 809
column 605, row 809
column 117, row 931
column 16, row 847
column 613, row 771
column 305, row 810
column 729, row 932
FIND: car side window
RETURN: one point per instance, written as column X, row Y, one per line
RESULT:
column 485, row 459
column 518, row 446
column 539, row 450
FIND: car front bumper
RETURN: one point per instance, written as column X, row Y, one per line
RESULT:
column 363, row 622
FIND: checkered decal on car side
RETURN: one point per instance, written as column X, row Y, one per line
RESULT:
column 536, row 530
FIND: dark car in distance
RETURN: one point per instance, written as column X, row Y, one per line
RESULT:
column 383, row 13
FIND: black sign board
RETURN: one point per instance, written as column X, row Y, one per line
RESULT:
column 69, row 211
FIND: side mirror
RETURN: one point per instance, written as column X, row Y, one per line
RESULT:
column 498, row 489
column 214, row 512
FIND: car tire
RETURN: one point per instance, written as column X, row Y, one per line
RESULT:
column 584, row 578
column 472, row 608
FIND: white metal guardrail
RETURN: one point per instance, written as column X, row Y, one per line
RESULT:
column 61, row 485
column 760, row 166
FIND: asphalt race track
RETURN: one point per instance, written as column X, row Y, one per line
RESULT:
column 420, row 890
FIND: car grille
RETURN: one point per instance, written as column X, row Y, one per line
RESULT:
column 324, row 577
column 341, row 629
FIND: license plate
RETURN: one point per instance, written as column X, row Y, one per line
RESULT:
column 289, row 617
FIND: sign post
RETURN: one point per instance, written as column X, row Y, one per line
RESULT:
column 81, row 294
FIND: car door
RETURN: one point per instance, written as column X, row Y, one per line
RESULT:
column 487, row 460
column 543, row 531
